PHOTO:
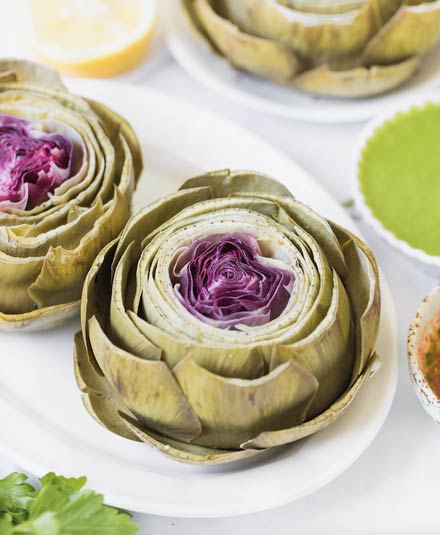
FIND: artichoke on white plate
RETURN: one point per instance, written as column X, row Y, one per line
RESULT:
column 68, row 168
column 227, row 318
column 340, row 48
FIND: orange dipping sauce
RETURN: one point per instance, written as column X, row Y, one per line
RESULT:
column 429, row 355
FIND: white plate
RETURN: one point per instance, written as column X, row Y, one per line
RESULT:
column 196, row 57
column 43, row 424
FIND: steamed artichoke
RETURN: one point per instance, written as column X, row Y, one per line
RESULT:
column 68, row 168
column 343, row 48
column 227, row 318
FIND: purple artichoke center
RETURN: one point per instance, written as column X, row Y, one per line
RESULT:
column 223, row 280
column 33, row 163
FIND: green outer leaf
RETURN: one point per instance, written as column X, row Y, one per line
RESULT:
column 412, row 31
column 240, row 362
column 357, row 82
column 16, row 277
column 363, row 285
column 7, row 76
column 124, row 332
column 64, row 271
column 146, row 387
column 324, row 6
column 103, row 404
column 232, row 411
column 95, row 298
column 187, row 453
column 30, row 72
column 256, row 55
column 99, row 399
column 39, row 319
column 226, row 182
column 193, row 23
column 320, row 422
column 122, row 129
column 67, row 235
column 327, row 353
column 314, row 38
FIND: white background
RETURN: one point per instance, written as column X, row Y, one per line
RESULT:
column 393, row 487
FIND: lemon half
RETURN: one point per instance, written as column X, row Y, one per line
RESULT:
column 97, row 38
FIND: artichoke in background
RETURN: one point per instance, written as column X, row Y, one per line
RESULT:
column 342, row 48
column 68, row 168
column 227, row 318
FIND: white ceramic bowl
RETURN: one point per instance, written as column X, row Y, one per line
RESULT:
column 427, row 311
column 431, row 264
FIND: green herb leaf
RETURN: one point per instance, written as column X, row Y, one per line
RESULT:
column 59, row 507
column 55, row 493
column 6, row 526
column 15, row 497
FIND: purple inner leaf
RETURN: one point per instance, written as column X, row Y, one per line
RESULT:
column 33, row 163
column 222, row 280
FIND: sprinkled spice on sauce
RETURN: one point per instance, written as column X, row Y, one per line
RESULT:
column 430, row 355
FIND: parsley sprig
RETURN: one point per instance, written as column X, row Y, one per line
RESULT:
column 61, row 506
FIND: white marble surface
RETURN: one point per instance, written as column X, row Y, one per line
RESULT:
column 392, row 488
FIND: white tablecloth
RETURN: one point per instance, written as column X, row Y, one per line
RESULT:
column 392, row 488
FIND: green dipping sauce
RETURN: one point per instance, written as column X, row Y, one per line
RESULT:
column 400, row 177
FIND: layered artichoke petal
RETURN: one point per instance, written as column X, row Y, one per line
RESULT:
column 147, row 387
column 16, row 277
column 232, row 411
column 184, row 451
column 319, row 422
column 124, row 331
column 256, row 55
column 330, row 346
column 342, row 48
column 99, row 399
column 324, row 6
column 412, row 31
column 64, row 270
column 279, row 333
column 28, row 72
column 314, row 37
column 357, row 82
column 364, row 289
column 69, row 168
column 38, row 319
column 318, row 227
column 225, row 182
column 241, row 362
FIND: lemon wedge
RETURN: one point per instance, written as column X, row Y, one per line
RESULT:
column 97, row 38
